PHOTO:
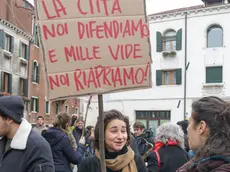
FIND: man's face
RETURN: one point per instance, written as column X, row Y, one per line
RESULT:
column 40, row 121
column 4, row 127
column 138, row 131
column 80, row 125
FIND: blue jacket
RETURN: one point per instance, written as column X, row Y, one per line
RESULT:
column 77, row 134
column 28, row 152
column 62, row 150
column 89, row 150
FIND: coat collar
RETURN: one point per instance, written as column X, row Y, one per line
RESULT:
column 21, row 136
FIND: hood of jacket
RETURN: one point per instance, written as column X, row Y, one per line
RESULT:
column 218, row 162
column 53, row 135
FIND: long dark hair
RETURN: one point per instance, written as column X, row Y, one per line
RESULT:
column 108, row 117
column 216, row 114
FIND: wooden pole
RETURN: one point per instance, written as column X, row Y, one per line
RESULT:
column 86, row 114
column 101, row 133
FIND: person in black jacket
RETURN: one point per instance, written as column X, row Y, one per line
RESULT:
column 168, row 154
column 62, row 144
column 21, row 148
column 184, row 126
column 118, row 154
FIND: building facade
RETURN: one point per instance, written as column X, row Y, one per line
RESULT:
column 39, row 105
column 15, row 39
column 21, row 63
column 206, row 35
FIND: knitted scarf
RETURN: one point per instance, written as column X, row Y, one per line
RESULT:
column 124, row 162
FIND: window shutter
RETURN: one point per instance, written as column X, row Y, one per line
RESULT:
column 37, row 105
column 33, row 72
column 159, row 42
column 2, row 39
column 34, row 31
column 214, row 74
column 178, row 76
column 57, row 108
column 10, row 83
column 25, row 87
column 31, row 104
column 47, row 106
column 2, row 81
column 179, row 40
column 12, row 44
column 20, row 49
column 38, row 74
column 159, row 77
column 27, row 52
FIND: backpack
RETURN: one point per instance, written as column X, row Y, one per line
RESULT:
column 158, row 159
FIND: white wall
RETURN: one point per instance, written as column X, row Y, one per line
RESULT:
column 167, row 97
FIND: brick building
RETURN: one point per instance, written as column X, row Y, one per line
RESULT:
column 21, row 65
column 15, row 39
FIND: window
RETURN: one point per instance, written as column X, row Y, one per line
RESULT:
column 23, row 87
column 213, row 2
column 6, row 82
column 34, row 104
column 7, row 47
column 170, row 41
column 23, row 70
column 23, row 51
column 76, row 110
column 35, row 72
column 215, row 36
column 214, row 74
column 168, row 77
column 47, row 107
column 67, row 108
column 36, row 40
column 26, row 4
column 56, row 108
column 6, row 41
column 152, row 119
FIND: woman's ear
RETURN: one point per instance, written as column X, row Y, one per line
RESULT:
column 202, row 127
column 67, row 125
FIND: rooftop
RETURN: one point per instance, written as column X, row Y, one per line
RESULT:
column 179, row 10
column 185, row 9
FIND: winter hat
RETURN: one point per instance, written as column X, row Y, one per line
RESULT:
column 13, row 107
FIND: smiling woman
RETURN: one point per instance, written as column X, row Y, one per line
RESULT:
column 118, row 154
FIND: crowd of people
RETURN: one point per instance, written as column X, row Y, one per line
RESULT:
column 201, row 144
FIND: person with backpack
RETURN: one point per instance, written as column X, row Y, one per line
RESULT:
column 184, row 126
column 144, row 139
column 65, row 151
column 168, row 154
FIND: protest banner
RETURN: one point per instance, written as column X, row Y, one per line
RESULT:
column 94, row 46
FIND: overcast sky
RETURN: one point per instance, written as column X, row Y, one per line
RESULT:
column 154, row 6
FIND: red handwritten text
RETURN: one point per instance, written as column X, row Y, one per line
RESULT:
column 58, row 8
column 59, row 29
column 125, row 51
column 113, row 29
column 57, row 80
column 95, row 7
column 81, row 53
column 51, row 56
column 114, row 77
